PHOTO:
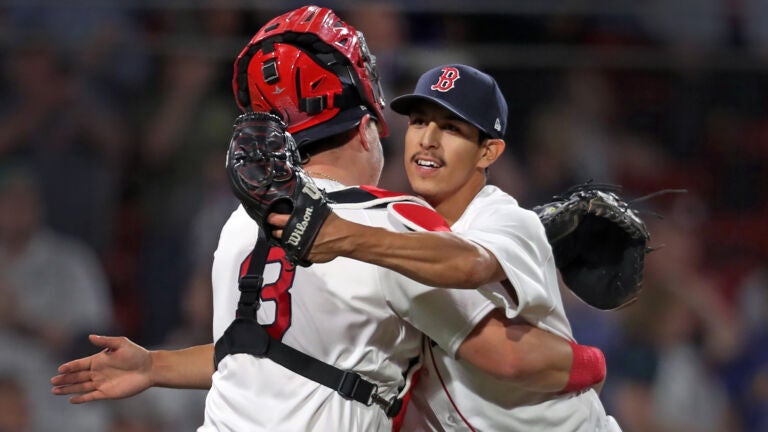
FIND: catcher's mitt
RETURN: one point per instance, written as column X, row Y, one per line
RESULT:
column 599, row 244
column 265, row 174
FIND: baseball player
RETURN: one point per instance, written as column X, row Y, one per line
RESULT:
column 457, row 119
column 461, row 396
column 362, row 320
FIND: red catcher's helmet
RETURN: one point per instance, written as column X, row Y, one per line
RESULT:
column 312, row 69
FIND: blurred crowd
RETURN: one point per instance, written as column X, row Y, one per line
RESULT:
column 114, row 121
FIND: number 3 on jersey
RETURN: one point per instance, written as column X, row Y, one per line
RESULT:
column 278, row 280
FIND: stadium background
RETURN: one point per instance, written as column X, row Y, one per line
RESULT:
column 114, row 117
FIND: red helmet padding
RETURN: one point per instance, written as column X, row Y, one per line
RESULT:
column 300, row 77
column 307, row 66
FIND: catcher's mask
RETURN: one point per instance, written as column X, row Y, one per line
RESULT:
column 313, row 70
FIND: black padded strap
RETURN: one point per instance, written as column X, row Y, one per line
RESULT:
column 251, row 282
column 246, row 336
column 269, row 71
column 313, row 105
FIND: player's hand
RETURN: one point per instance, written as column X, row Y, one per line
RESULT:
column 329, row 238
column 279, row 220
column 120, row 370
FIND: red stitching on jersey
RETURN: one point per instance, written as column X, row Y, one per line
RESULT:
column 442, row 383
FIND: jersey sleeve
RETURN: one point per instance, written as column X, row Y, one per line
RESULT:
column 518, row 241
column 446, row 316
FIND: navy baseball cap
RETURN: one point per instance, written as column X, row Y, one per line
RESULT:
column 465, row 91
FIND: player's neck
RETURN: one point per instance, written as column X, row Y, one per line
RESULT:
column 329, row 172
column 339, row 166
column 322, row 175
column 452, row 205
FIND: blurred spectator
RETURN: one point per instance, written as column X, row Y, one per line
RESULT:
column 71, row 136
column 216, row 205
column 15, row 412
column 754, row 14
column 574, row 138
column 747, row 374
column 53, row 288
column 158, row 410
column 29, row 366
column 677, row 336
column 689, row 25
column 187, row 119
column 103, row 43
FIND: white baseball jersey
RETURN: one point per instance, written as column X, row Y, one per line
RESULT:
column 453, row 395
column 347, row 313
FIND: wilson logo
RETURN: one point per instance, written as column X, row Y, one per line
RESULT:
column 311, row 190
column 298, row 232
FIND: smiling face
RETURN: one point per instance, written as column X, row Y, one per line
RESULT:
column 446, row 158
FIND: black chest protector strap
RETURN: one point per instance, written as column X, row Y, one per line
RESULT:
column 246, row 336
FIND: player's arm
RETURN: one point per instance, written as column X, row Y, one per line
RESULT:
column 190, row 368
column 530, row 357
column 438, row 259
column 123, row 369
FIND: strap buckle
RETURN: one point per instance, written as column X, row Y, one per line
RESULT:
column 391, row 407
column 348, row 385
column 250, row 290
column 251, row 282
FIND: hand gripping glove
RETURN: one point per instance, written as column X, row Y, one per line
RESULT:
column 599, row 244
column 265, row 174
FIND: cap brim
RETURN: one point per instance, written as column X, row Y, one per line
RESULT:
column 404, row 105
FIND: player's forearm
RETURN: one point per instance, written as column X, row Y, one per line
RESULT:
column 519, row 353
column 541, row 361
column 189, row 368
column 531, row 358
column 546, row 367
column 435, row 259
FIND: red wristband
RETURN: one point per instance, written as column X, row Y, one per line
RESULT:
column 588, row 367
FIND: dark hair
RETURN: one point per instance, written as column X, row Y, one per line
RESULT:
column 482, row 136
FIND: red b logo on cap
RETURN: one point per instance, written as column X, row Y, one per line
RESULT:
column 446, row 80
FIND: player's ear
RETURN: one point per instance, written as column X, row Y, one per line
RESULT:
column 492, row 150
column 368, row 132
